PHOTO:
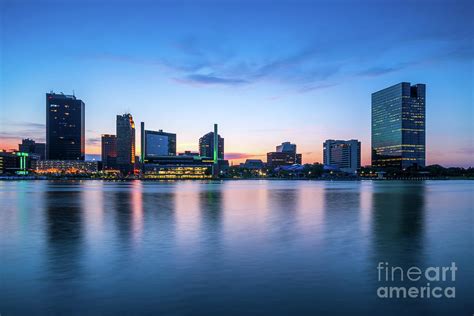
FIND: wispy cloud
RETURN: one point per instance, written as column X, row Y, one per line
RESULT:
column 210, row 80
column 17, row 130
column 93, row 141
column 313, row 87
column 305, row 69
column 232, row 156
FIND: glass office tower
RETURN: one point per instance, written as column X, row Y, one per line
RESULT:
column 125, row 143
column 109, row 151
column 398, row 126
column 65, row 127
column 206, row 146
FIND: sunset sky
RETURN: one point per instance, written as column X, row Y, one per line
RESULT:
column 265, row 71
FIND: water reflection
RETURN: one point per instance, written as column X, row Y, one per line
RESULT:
column 159, row 213
column 282, row 220
column 258, row 247
column 210, row 207
column 398, row 223
column 64, row 230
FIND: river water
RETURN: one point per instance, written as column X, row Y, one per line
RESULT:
column 231, row 247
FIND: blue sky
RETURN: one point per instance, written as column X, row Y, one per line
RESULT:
column 266, row 71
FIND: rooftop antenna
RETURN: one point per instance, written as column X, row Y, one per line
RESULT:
column 73, row 93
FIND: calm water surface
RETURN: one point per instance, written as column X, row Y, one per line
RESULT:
column 234, row 247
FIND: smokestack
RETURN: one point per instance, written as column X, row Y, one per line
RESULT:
column 216, row 144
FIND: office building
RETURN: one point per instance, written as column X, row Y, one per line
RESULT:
column 398, row 126
column 33, row 148
column 342, row 155
column 284, row 155
column 156, row 143
column 286, row 147
column 109, row 151
column 65, row 127
column 125, row 143
column 206, row 145
column 9, row 163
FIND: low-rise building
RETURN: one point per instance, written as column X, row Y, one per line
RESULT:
column 73, row 167
column 285, row 155
column 252, row 164
column 178, row 167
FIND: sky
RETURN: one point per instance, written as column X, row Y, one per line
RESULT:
column 265, row 71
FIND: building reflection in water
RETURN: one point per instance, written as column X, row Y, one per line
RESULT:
column 159, row 213
column 398, row 211
column 129, row 213
column 341, row 213
column 64, row 217
column 282, row 220
column 210, row 208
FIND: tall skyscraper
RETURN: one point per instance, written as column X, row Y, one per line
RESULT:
column 342, row 154
column 109, row 151
column 65, row 127
column 125, row 143
column 398, row 126
column 206, row 146
column 157, row 143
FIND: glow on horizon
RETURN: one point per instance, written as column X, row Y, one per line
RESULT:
column 301, row 73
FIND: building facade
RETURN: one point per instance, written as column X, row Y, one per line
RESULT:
column 286, row 147
column 398, row 126
column 342, row 154
column 65, row 127
column 157, row 143
column 206, row 146
column 276, row 159
column 178, row 167
column 72, row 167
column 109, row 151
column 31, row 147
column 125, row 143
column 9, row 163
column 284, row 155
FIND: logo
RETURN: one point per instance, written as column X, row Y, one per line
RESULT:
column 397, row 282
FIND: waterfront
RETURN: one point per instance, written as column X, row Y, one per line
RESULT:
column 233, row 247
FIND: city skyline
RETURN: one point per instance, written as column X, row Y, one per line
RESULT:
column 269, row 80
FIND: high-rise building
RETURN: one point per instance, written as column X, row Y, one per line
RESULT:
column 284, row 155
column 31, row 147
column 65, row 127
column 109, row 151
column 157, row 143
column 342, row 154
column 125, row 143
column 206, row 146
column 398, row 126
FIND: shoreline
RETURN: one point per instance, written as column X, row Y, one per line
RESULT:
column 73, row 179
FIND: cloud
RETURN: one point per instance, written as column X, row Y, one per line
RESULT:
column 457, row 53
column 210, row 80
column 232, row 156
column 466, row 151
column 17, row 130
column 192, row 61
column 93, row 141
column 314, row 87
